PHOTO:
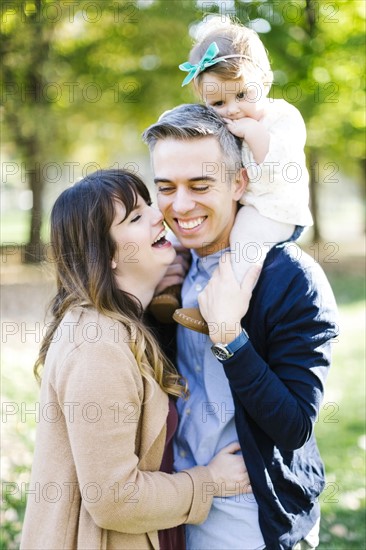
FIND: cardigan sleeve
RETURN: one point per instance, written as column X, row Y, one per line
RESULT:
column 281, row 388
column 98, row 392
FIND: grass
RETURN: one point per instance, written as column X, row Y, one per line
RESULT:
column 340, row 429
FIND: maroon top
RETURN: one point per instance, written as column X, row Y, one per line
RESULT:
column 171, row 539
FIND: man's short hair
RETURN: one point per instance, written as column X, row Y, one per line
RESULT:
column 192, row 121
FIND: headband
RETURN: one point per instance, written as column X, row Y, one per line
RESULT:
column 207, row 60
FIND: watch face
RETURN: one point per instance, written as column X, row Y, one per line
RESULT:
column 220, row 352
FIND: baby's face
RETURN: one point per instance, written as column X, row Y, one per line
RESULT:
column 234, row 99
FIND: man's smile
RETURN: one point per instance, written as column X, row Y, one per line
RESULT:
column 190, row 224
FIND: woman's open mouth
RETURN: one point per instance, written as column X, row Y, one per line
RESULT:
column 161, row 241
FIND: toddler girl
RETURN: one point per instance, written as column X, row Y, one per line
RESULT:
column 231, row 72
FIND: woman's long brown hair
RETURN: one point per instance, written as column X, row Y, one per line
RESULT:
column 82, row 251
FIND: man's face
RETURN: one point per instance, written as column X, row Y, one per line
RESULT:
column 196, row 192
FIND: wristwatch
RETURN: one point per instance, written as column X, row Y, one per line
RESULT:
column 222, row 352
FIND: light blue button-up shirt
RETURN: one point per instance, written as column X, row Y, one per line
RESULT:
column 206, row 425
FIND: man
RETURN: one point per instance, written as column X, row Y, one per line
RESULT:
column 273, row 346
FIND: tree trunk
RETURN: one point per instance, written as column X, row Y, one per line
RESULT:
column 33, row 145
column 363, row 186
column 313, row 156
column 34, row 247
column 313, row 183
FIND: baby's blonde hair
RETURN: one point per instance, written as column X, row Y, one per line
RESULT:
column 231, row 38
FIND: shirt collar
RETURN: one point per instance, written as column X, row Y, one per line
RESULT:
column 206, row 264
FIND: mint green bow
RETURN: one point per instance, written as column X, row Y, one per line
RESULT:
column 207, row 60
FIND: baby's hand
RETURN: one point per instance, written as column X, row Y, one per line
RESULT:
column 254, row 134
column 240, row 126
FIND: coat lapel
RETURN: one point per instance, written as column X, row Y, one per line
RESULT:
column 153, row 426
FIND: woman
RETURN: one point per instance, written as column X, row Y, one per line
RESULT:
column 104, row 440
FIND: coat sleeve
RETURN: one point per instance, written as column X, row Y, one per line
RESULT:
column 281, row 388
column 98, row 392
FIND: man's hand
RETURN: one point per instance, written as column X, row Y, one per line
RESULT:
column 224, row 302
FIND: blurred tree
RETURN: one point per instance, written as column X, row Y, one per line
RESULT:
column 91, row 73
column 317, row 52
column 82, row 79
column 24, row 57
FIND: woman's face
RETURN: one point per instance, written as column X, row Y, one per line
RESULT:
column 142, row 253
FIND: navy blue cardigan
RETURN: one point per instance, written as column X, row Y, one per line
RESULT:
column 277, row 381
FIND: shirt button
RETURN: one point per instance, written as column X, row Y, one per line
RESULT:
column 198, row 368
column 188, row 411
column 198, row 287
column 182, row 453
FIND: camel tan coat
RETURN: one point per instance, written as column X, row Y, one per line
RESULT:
column 95, row 480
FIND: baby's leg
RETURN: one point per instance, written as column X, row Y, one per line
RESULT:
column 251, row 238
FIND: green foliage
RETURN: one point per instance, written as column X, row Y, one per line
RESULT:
column 110, row 69
column 12, row 509
column 322, row 58
column 82, row 81
column 341, row 428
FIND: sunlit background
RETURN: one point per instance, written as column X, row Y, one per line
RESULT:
column 80, row 82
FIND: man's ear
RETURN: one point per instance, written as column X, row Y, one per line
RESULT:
column 241, row 182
